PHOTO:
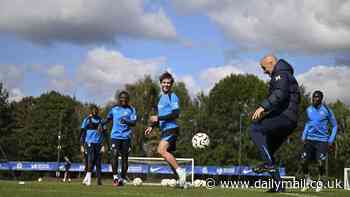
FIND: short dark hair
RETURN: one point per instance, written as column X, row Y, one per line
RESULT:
column 123, row 93
column 318, row 93
column 92, row 107
column 166, row 75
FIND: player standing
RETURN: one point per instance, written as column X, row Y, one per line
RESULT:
column 94, row 137
column 123, row 117
column 315, row 137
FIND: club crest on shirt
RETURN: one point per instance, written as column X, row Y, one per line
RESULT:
column 278, row 77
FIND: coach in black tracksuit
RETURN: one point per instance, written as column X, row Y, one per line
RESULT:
column 277, row 115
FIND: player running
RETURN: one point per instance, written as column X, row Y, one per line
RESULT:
column 168, row 111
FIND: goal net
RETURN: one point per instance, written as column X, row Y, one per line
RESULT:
column 154, row 170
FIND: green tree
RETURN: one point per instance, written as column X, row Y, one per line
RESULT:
column 6, row 124
column 47, row 115
column 231, row 98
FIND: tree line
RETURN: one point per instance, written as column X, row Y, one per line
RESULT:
column 29, row 128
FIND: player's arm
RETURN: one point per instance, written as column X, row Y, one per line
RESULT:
column 172, row 116
column 108, row 119
column 106, row 139
column 82, row 135
column 334, row 127
column 131, row 121
column 279, row 94
column 307, row 126
column 305, row 132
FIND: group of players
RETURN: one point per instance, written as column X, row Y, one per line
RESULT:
column 273, row 121
column 123, row 116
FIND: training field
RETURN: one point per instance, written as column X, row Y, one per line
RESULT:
column 75, row 189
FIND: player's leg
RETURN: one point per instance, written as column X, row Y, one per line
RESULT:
column 306, row 158
column 98, row 155
column 66, row 176
column 321, row 156
column 269, row 134
column 172, row 148
column 167, row 144
column 163, row 151
column 274, row 142
column 259, row 137
column 125, row 145
column 90, row 160
column 115, row 154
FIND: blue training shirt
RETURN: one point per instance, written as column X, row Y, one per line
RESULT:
column 166, row 105
column 317, row 126
column 120, row 129
column 91, row 124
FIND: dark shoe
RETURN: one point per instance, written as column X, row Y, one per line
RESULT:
column 99, row 182
column 115, row 183
column 120, row 182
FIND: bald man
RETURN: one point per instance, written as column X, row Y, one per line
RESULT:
column 276, row 117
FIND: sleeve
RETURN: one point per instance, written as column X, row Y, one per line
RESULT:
column 307, row 126
column 306, row 129
column 83, row 132
column 83, row 124
column 280, row 92
column 175, row 109
column 334, row 127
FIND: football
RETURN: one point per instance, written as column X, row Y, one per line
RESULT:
column 137, row 181
column 200, row 141
column 172, row 183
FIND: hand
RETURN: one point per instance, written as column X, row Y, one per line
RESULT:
column 148, row 130
column 258, row 113
column 154, row 119
column 82, row 149
column 103, row 150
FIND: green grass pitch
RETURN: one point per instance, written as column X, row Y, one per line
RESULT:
column 75, row 189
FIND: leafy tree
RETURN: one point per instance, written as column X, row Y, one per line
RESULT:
column 6, row 124
column 48, row 115
column 231, row 98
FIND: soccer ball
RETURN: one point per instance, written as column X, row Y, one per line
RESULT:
column 172, row 183
column 137, row 181
column 164, row 182
column 200, row 140
column 40, row 179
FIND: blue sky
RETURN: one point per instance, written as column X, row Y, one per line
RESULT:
column 91, row 48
